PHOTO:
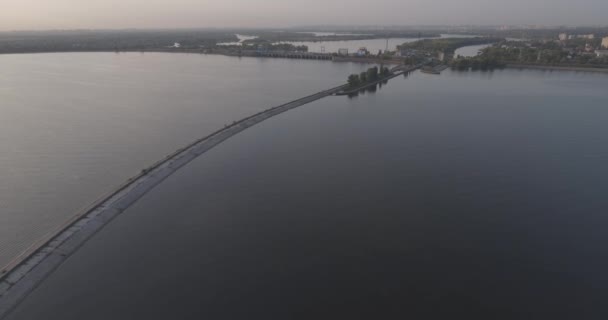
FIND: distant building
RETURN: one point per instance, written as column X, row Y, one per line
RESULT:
column 440, row 55
column 343, row 52
column 605, row 42
column 401, row 52
column 563, row 36
column 601, row 53
column 362, row 52
column 581, row 36
column 177, row 45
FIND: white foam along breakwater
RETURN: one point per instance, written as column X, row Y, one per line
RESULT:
column 27, row 271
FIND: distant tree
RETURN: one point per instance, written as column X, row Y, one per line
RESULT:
column 363, row 77
column 372, row 74
column 410, row 61
column 302, row 48
column 354, row 81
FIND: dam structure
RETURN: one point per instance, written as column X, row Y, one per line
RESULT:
column 27, row 271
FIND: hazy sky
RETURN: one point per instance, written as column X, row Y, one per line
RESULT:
column 70, row 14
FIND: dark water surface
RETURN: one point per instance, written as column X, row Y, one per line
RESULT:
column 460, row 196
column 75, row 125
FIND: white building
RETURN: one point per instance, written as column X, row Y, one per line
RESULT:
column 343, row 52
column 563, row 36
column 605, row 42
column 581, row 36
column 406, row 52
column 441, row 56
column 362, row 52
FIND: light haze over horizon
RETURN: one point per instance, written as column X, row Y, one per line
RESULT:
column 116, row 14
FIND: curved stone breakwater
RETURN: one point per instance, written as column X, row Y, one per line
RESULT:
column 24, row 274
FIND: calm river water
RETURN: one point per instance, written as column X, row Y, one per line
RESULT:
column 373, row 45
column 75, row 125
column 466, row 195
column 470, row 51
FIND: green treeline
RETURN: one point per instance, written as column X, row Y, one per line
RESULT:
column 109, row 40
column 269, row 46
column 371, row 75
column 549, row 54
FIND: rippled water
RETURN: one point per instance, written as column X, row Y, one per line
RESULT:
column 73, row 126
column 466, row 195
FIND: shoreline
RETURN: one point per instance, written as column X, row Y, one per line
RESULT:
column 372, row 60
column 556, row 68
column 334, row 59
column 29, row 269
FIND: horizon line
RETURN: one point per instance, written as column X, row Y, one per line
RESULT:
column 320, row 26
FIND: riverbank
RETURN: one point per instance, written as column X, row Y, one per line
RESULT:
column 24, row 273
column 287, row 55
column 542, row 67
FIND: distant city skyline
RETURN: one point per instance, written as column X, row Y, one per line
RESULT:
column 119, row 14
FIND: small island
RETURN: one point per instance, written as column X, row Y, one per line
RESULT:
column 370, row 79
